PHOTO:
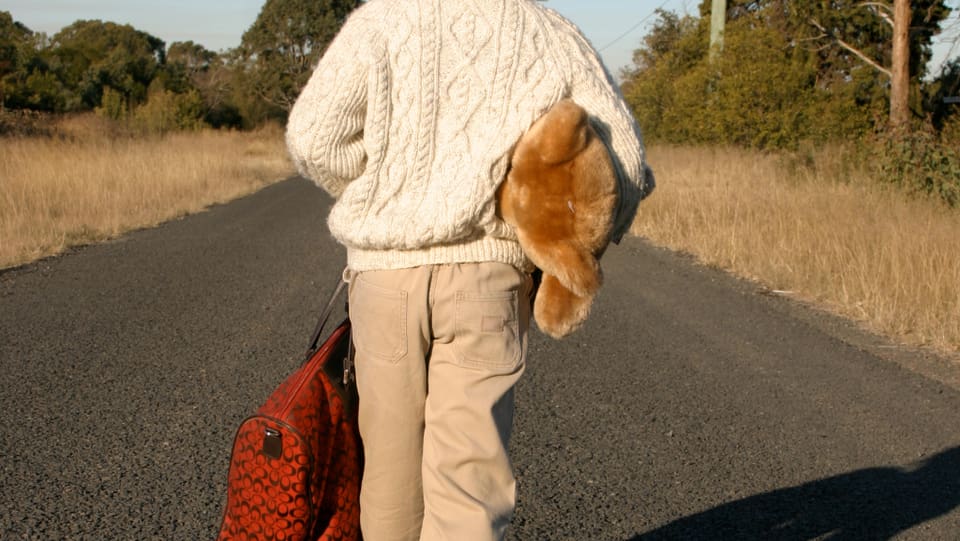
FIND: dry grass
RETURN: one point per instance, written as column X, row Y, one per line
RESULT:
column 85, row 185
column 825, row 234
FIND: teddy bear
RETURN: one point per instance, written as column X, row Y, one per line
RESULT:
column 560, row 196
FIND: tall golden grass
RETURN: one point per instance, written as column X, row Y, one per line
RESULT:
column 85, row 185
column 823, row 232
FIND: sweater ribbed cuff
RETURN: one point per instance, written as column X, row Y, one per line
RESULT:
column 485, row 249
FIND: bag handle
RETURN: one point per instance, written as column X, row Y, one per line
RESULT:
column 348, row 374
column 325, row 315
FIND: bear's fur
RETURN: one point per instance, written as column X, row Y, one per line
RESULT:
column 560, row 196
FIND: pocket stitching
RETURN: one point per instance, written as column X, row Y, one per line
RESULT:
column 463, row 297
column 393, row 295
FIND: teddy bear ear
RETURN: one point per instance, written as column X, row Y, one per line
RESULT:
column 561, row 132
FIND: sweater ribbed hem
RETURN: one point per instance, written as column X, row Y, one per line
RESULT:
column 482, row 250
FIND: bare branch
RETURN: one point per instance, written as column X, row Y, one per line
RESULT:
column 881, row 5
column 814, row 38
column 852, row 49
column 882, row 10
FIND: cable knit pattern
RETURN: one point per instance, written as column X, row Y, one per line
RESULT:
column 410, row 117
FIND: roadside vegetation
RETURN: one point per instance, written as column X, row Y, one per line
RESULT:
column 818, row 229
column 810, row 151
column 781, row 159
column 105, row 128
column 84, row 184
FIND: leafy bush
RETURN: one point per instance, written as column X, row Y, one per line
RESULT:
column 113, row 105
column 166, row 111
column 15, row 122
column 763, row 92
column 950, row 132
column 920, row 162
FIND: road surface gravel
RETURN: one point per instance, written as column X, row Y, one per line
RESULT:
column 692, row 405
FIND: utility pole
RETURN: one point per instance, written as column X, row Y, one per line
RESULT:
column 900, row 66
column 718, row 18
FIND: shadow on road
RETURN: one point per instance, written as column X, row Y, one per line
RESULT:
column 874, row 503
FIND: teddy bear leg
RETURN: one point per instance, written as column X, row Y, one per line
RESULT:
column 576, row 269
column 557, row 310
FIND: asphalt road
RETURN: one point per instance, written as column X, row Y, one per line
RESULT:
column 691, row 406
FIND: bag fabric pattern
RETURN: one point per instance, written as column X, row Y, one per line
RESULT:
column 296, row 464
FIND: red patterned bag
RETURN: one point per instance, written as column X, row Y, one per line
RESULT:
column 296, row 464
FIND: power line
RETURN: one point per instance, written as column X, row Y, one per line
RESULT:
column 634, row 27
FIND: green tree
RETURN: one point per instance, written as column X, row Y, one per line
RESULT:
column 15, row 49
column 854, row 41
column 186, row 62
column 88, row 56
column 190, row 67
column 783, row 76
column 893, row 37
column 668, row 80
column 758, row 93
column 192, row 56
column 279, row 50
column 674, row 40
column 27, row 81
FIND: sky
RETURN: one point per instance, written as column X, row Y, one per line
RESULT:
column 615, row 27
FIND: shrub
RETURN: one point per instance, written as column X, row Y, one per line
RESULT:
column 166, row 111
column 920, row 162
column 113, row 105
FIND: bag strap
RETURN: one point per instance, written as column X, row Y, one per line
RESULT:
column 348, row 374
column 325, row 315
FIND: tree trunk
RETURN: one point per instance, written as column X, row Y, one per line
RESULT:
column 900, row 69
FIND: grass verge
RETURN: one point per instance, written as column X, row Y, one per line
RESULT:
column 823, row 232
column 82, row 186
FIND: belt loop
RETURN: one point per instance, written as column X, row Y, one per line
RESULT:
column 348, row 275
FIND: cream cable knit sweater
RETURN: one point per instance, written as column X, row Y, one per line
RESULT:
column 410, row 117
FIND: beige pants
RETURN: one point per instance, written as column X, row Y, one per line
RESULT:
column 439, row 350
